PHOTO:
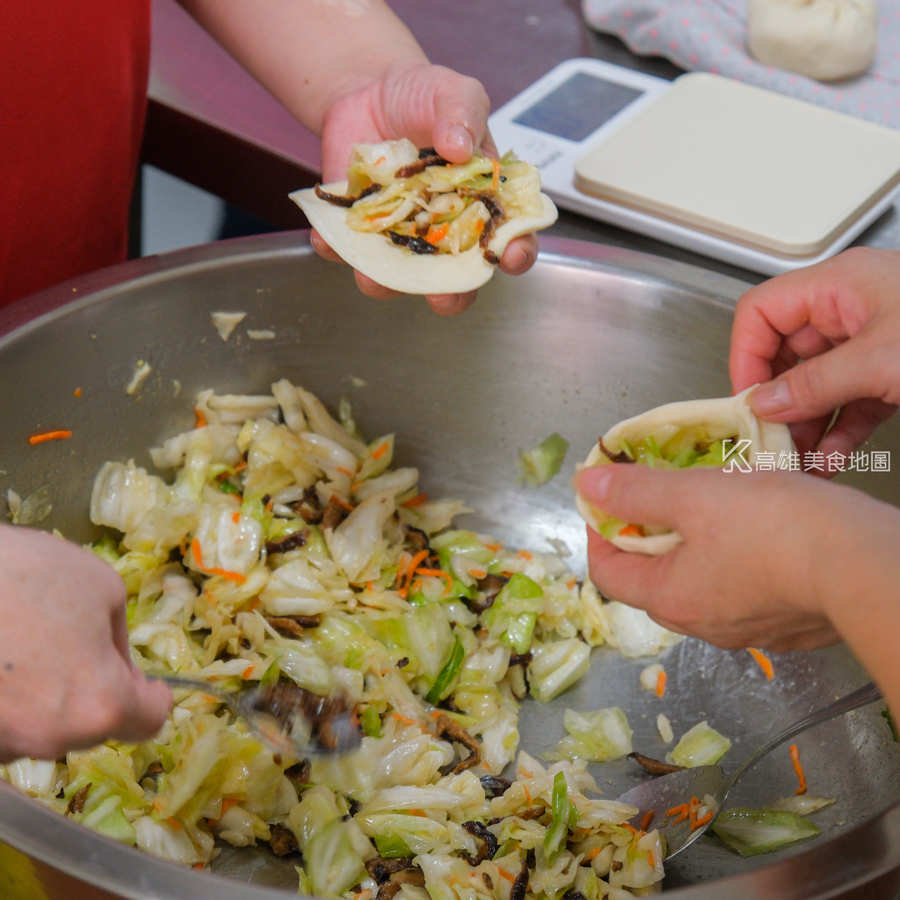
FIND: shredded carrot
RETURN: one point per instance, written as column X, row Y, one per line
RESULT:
column 479, row 226
column 591, row 854
column 527, row 793
column 437, row 234
column 650, row 860
column 406, row 720
column 228, row 802
column 525, row 554
column 173, row 823
column 699, row 823
column 247, row 672
column 571, row 583
column 199, row 867
column 157, row 805
column 417, row 812
column 631, row 828
column 506, row 875
column 798, row 768
column 380, row 160
column 236, row 577
column 693, row 806
column 236, row 518
column 364, row 895
column 59, row 435
column 763, row 662
column 369, row 585
column 675, row 810
column 343, row 504
column 201, row 419
column 409, row 572
column 418, row 500
column 495, row 180
column 77, row 392
column 647, row 820
column 380, row 450
column 661, row 684
column 416, row 586
column 240, row 466
column 438, row 573
column 478, row 573
column 344, row 471
column 632, row 531
column 254, row 604
column 210, row 699
column 495, row 547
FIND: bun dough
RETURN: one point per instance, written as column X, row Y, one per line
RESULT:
column 374, row 255
column 824, row 39
column 721, row 418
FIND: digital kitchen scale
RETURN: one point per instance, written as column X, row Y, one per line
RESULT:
column 707, row 163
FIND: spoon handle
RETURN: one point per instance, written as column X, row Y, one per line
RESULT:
column 868, row 693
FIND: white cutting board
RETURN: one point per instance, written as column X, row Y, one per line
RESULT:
column 745, row 165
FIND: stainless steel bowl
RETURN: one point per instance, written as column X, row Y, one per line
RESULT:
column 589, row 336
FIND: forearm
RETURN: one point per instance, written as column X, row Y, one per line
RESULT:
column 863, row 601
column 309, row 52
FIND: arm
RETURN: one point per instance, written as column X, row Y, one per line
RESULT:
column 351, row 71
column 777, row 560
column 66, row 677
column 842, row 317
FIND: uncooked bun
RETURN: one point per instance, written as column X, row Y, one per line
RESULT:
column 824, row 39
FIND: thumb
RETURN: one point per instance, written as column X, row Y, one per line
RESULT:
column 820, row 385
column 634, row 493
column 147, row 710
column 461, row 108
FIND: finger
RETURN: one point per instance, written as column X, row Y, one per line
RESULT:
column 807, row 435
column 628, row 577
column 461, row 108
column 373, row 289
column 808, row 342
column 519, row 255
column 857, row 369
column 854, row 425
column 323, row 249
column 635, row 493
column 146, row 711
column 451, row 304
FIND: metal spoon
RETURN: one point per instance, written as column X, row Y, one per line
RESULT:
column 668, row 791
column 288, row 719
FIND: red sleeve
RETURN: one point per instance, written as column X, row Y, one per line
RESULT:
column 74, row 76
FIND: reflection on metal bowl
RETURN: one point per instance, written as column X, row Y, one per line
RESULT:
column 591, row 335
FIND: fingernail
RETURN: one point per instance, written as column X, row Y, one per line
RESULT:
column 460, row 136
column 771, row 398
column 593, row 483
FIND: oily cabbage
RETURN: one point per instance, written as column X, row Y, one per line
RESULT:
column 275, row 544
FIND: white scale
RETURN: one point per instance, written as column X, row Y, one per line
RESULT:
column 722, row 168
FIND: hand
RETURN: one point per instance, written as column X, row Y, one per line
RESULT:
column 765, row 558
column 66, row 678
column 434, row 107
column 842, row 318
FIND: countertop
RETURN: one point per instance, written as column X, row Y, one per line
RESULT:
column 212, row 124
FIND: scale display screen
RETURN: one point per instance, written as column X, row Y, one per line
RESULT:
column 578, row 107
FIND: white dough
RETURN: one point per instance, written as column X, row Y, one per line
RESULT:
column 721, row 418
column 394, row 267
column 824, row 39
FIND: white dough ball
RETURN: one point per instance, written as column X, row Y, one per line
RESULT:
column 824, row 39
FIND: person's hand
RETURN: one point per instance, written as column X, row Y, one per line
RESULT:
column 66, row 677
column 842, row 318
column 774, row 560
column 433, row 107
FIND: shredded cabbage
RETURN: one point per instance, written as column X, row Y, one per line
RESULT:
column 701, row 746
column 281, row 546
column 755, row 831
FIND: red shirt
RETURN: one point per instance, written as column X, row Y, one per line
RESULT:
column 73, row 94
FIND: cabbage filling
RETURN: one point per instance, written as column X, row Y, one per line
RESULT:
column 424, row 204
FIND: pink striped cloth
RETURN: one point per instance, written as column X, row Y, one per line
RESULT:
column 710, row 36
